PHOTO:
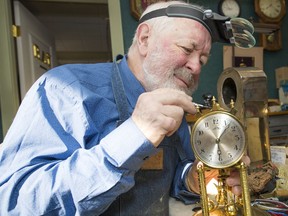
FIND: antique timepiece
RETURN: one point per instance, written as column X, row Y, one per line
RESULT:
column 218, row 140
column 271, row 12
column 229, row 8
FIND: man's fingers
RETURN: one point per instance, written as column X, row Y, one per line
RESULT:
column 246, row 159
column 237, row 190
column 159, row 113
column 174, row 112
column 177, row 98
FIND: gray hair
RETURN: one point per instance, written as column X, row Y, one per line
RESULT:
column 158, row 23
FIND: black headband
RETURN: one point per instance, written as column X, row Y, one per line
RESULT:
column 218, row 26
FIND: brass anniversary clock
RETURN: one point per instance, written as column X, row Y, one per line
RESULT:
column 218, row 140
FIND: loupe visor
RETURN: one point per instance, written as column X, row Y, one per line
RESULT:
column 222, row 29
column 242, row 31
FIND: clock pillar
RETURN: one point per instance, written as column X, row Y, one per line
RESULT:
column 248, row 89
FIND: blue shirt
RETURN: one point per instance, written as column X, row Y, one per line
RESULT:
column 65, row 155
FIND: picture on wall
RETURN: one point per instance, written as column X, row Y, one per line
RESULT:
column 243, row 61
column 237, row 57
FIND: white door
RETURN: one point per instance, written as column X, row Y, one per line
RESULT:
column 35, row 48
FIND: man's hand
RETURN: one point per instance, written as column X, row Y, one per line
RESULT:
column 232, row 181
column 159, row 113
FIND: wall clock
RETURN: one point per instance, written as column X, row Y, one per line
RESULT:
column 271, row 12
column 229, row 8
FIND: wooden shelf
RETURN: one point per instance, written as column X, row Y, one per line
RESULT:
column 278, row 113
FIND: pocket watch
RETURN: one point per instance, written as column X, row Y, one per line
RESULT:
column 229, row 8
column 218, row 139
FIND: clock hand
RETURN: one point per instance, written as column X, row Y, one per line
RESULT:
column 223, row 132
column 218, row 148
column 219, row 152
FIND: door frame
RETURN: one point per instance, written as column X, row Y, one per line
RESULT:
column 9, row 88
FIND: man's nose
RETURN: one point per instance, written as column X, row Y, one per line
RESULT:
column 194, row 65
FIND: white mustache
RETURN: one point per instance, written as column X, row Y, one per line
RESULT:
column 185, row 75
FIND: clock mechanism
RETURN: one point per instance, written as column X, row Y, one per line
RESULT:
column 218, row 139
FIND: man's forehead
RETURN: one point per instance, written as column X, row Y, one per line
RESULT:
column 194, row 34
column 188, row 11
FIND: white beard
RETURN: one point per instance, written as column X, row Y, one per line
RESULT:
column 154, row 79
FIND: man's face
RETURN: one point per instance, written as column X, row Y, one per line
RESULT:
column 175, row 56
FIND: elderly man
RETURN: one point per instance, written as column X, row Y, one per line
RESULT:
column 84, row 132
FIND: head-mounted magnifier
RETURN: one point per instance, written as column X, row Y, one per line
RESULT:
column 222, row 29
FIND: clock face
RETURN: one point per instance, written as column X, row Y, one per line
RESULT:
column 270, row 8
column 229, row 8
column 218, row 139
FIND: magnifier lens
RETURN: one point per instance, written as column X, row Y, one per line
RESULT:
column 242, row 31
column 240, row 24
column 244, row 40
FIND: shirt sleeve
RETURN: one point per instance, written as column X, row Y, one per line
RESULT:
column 179, row 189
column 45, row 170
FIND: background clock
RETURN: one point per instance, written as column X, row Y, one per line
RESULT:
column 229, row 8
column 271, row 12
column 218, row 139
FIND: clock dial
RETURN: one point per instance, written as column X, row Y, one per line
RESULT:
column 270, row 8
column 218, row 139
column 229, row 8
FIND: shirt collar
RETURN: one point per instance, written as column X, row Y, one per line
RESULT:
column 132, row 86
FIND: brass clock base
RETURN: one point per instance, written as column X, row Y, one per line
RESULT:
column 221, row 212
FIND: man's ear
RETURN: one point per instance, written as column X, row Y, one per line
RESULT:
column 143, row 34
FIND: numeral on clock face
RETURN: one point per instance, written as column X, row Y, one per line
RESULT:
column 237, row 138
column 200, row 132
column 215, row 121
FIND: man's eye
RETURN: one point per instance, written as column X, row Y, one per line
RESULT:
column 187, row 50
column 203, row 60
